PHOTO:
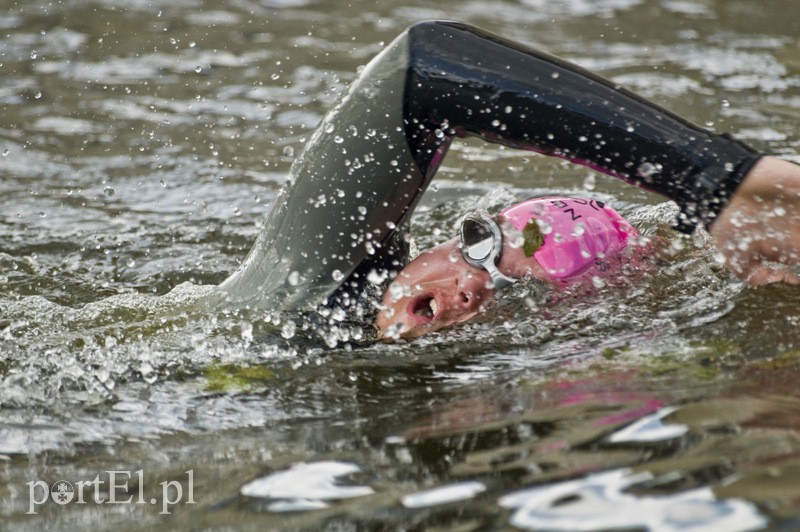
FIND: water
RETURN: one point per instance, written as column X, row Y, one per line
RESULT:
column 141, row 144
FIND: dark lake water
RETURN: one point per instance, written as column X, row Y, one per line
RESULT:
column 142, row 144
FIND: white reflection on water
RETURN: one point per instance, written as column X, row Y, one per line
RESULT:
column 443, row 495
column 600, row 501
column 650, row 429
column 305, row 486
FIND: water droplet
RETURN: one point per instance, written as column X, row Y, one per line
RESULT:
column 508, row 109
column 338, row 314
column 109, row 191
column 6, row 152
column 647, row 169
column 579, row 229
column 37, row 94
column 598, row 282
column 198, row 69
column 131, row 263
column 294, row 278
column 376, row 278
column 192, row 44
column 288, row 329
column 338, row 139
column 398, row 291
column 517, row 239
column 329, row 127
column 337, row 275
column 288, row 151
column 148, row 373
column 163, row 183
column 554, row 75
column 34, row 54
column 544, row 227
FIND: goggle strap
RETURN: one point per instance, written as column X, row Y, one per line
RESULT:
column 499, row 279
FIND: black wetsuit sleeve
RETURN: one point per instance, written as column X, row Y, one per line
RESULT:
column 465, row 81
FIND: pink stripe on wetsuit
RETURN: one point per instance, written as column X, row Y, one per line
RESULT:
column 579, row 234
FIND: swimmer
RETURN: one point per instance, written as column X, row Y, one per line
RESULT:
column 555, row 241
column 335, row 235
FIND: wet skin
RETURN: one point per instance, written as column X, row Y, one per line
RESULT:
column 439, row 289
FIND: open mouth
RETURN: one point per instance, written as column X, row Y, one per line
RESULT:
column 425, row 308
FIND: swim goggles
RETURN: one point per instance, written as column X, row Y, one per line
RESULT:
column 482, row 245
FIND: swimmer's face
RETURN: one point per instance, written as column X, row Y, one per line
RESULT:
column 435, row 290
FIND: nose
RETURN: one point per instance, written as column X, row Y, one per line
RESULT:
column 472, row 290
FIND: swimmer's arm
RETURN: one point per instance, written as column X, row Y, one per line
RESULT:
column 463, row 80
column 758, row 232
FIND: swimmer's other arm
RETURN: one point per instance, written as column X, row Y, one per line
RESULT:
column 758, row 231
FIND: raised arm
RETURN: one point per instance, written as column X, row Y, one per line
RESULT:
column 466, row 81
column 338, row 222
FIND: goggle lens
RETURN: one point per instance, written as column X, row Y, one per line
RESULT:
column 477, row 239
column 482, row 244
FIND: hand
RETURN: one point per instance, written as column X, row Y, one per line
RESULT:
column 758, row 232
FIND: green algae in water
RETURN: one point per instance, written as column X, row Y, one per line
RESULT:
column 234, row 378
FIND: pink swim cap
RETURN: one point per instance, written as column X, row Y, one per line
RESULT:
column 578, row 234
